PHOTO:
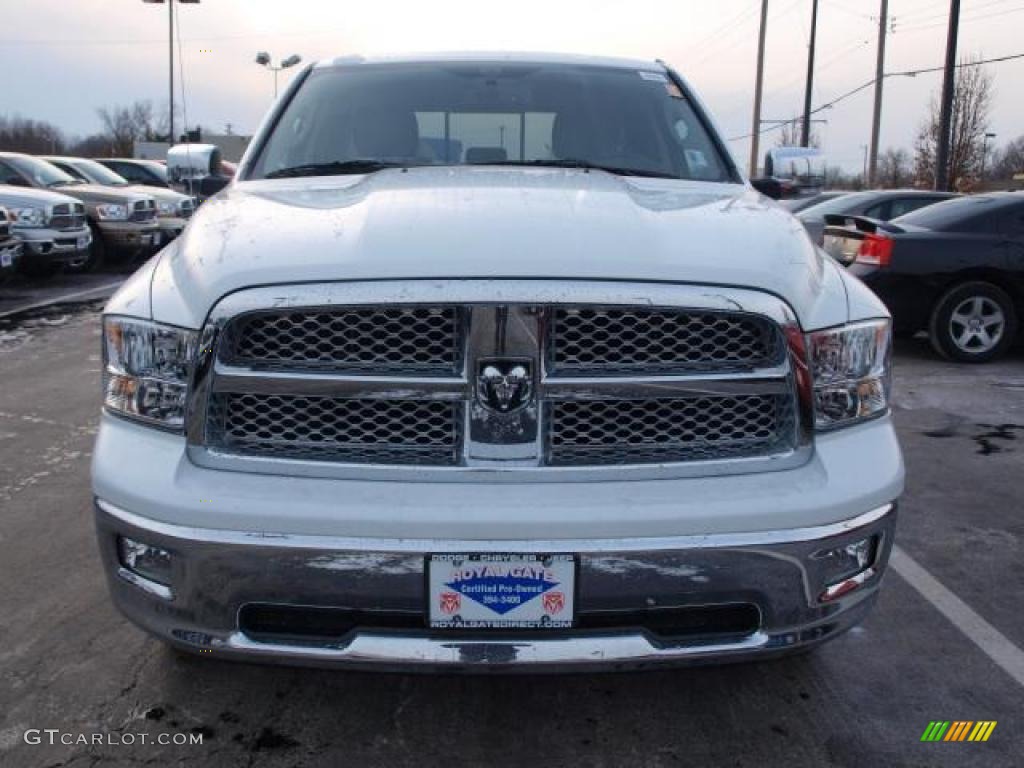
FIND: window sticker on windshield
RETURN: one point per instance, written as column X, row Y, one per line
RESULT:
column 656, row 77
column 673, row 90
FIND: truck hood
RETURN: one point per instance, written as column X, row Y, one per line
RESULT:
column 93, row 194
column 13, row 197
column 490, row 222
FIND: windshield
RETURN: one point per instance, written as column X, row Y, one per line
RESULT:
column 343, row 119
column 98, row 174
column 42, row 173
column 157, row 170
column 841, row 204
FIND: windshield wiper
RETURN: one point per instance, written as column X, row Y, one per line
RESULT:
column 335, row 168
column 585, row 165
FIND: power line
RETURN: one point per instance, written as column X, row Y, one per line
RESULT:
column 869, row 83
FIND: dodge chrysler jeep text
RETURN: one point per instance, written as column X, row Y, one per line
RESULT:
column 494, row 362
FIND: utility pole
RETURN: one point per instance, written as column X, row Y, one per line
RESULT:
column 170, row 69
column 876, row 121
column 805, row 134
column 946, row 110
column 755, row 128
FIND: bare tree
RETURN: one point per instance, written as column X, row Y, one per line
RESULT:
column 125, row 125
column 19, row 134
column 1009, row 161
column 972, row 102
column 789, row 135
column 894, row 169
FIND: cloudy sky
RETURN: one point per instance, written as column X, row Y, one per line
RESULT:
column 61, row 59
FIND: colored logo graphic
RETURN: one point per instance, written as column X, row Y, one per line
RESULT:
column 450, row 602
column 958, row 730
column 554, row 602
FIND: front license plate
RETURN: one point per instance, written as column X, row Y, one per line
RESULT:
column 499, row 591
column 83, row 242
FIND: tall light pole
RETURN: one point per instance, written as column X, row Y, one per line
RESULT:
column 263, row 59
column 170, row 59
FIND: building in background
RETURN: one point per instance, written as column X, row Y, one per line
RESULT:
column 231, row 146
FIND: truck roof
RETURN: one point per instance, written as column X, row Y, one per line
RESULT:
column 495, row 57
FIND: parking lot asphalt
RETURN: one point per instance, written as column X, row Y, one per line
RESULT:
column 68, row 661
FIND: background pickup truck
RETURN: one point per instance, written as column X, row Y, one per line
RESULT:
column 51, row 226
column 954, row 269
column 121, row 222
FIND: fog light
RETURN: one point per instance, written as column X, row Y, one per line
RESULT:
column 145, row 560
column 847, row 567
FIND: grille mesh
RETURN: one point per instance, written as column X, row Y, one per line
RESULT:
column 420, row 340
column 337, row 429
column 627, row 340
column 68, row 216
column 680, row 429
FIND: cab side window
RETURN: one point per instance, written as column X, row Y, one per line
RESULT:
column 10, row 176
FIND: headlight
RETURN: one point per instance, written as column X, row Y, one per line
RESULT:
column 112, row 211
column 167, row 209
column 851, row 371
column 29, row 217
column 146, row 369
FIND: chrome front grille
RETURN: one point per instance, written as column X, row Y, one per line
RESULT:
column 392, row 374
column 65, row 216
column 637, row 340
column 143, row 211
column 420, row 340
column 587, row 432
column 336, row 429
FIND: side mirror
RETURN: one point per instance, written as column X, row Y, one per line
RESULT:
column 768, row 187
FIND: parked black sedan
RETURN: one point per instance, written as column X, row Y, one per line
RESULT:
column 954, row 269
column 882, row 204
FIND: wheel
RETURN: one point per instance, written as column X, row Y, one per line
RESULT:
column 97, row 253
column 973, row 323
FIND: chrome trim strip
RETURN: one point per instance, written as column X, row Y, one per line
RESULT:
column 582, row 546
column 146, row 585
column 565, row 651
column 498, row 462
column 768, row 381
column 229, row 378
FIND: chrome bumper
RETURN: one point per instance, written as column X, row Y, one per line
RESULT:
column 217, row 572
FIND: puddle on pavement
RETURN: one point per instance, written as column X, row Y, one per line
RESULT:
column 17, row 330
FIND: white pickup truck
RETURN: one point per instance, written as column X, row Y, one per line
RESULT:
column 494, row 363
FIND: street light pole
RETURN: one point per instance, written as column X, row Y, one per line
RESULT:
column 263, row 59
column 170, row 61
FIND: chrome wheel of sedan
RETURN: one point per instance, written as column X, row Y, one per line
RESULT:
column 973, row 322
column 977, row 324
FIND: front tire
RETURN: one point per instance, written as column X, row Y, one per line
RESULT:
column 973, row 322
